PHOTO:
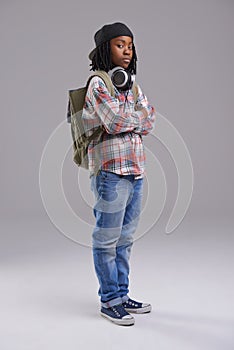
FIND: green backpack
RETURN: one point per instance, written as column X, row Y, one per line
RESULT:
column 76, row 100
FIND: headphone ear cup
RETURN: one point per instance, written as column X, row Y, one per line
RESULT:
column 122, row 79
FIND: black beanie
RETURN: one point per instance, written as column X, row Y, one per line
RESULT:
column 108, row 32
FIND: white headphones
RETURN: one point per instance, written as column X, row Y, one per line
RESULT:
column 121, row 78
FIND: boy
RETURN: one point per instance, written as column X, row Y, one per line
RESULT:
column 120, row 158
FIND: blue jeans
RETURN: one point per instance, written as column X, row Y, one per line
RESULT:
column 117, row 211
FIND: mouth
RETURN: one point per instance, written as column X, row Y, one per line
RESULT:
column 126, row 60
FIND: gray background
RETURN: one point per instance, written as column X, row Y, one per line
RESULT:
column 185, row 67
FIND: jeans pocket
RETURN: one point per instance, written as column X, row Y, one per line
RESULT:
column 103, row 174
column 111, row 177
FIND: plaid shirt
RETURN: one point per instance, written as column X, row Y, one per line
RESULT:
column 121, row 147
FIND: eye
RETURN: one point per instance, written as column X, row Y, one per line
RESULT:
column 121, row 46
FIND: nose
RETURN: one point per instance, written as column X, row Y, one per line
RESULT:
column 127, row 51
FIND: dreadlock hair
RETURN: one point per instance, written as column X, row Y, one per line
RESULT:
column 102, row 59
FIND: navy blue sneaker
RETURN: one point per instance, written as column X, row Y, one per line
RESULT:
column 136, row 307
column 118, row 315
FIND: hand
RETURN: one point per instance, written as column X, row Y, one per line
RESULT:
column 144, row 110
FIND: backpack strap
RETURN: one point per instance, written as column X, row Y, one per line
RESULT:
column 107, row 80
column 135, row 91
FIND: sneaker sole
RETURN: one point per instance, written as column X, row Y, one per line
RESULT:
column 126, row 322
column 142, row 310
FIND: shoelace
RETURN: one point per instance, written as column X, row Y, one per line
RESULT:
column 115, row 311
column 131, row 303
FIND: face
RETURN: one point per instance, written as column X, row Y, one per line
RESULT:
column 121, row 51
